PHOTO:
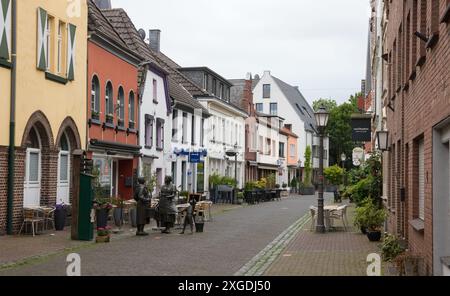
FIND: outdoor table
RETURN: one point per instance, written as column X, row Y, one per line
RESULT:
column 206, row 207
column 327, row 212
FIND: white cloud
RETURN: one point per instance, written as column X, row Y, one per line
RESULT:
column 319, row 45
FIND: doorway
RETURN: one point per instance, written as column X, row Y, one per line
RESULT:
column 115, row 177
column 32, row 184
column 63, row 189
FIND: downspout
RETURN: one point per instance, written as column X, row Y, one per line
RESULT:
column 12, row 120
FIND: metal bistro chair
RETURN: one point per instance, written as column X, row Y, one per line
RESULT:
column 33, row 217
column 49, row 217
column 340, row 214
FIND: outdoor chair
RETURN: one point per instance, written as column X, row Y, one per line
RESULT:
column 49, row 218
column 313, row 210
column 33, row 217
column 340, row 214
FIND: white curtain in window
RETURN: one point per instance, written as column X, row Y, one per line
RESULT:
column 34, row 167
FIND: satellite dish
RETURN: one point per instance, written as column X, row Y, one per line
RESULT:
column 142, row 34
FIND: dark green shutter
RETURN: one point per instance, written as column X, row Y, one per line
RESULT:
column 71, row 48
column 5, row 29
column 42, row 43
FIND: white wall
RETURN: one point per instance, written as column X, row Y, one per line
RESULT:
column 157, row 111
column 216, row 160
column 285, row 110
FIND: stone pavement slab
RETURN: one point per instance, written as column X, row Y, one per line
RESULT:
column 336, row 253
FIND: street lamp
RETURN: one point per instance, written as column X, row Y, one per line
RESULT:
column 234, row 153
column 321, row 121
column 343, row 159
column 382, row 140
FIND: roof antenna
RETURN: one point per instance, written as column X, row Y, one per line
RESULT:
column 142, row 34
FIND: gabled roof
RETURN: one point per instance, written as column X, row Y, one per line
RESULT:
column 99, row 25
column 181, row 89
column 299, row 103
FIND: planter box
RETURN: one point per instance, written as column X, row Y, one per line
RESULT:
column 103, row 239
column 331, row 188
column 308, row 191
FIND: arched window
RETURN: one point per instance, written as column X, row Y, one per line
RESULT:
column 131, row 111
column 95, row 98
column 109, row 103
column 121, row 107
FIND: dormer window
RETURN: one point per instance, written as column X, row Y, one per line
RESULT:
column 266, row 91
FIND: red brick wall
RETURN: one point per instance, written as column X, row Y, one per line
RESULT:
column 3, row 188
column 420, row 103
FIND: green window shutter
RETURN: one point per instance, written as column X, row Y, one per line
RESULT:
column 41, row 40
column 5, row 29
column 71, row 48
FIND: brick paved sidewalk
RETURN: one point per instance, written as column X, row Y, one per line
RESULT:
column 336, row 253
column 21, row 249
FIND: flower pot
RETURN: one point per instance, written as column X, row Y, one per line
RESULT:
column 133, row 216
column 102, row 218
column 199, row 227
column 374, row 236
column 60, row 219
column 103, row 239
column 118, row 216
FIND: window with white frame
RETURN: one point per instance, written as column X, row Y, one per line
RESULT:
column 95, row 98
column 131, row 111
column 149, row 131
column 121, row 107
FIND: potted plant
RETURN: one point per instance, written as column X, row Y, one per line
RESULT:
column 103, row 235
column 294, row 185
column 118, row 211
column 391, row 247
column 60, row 216
column 102, row 208
column 375, row 220
column 109, row 118
column 240, row 198
column 334, row 175
column 95, row 115
column 361, row 213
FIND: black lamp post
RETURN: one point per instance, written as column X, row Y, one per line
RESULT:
column 321, row 121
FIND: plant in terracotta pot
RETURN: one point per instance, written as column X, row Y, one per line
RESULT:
column 118, row 203
column 102, row 208
column 103, row 235
column 361, row 213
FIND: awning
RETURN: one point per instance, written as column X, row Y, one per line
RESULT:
column 268, row 167
column 252, row 163
column 112, row 148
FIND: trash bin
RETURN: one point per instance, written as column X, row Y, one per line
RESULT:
column 200, row 221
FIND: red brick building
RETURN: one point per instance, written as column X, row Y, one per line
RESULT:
column 113, row 106
column 417, row 97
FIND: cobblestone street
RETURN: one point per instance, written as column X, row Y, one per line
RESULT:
column 271, row 239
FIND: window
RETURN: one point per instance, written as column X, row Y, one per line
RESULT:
column 175, row 126
column 261, row 143
column 273, row 109
column 221, row 94
column 185, row 128
column 282, row 154
column 95, row 98
column 131, row 111
column 268, row 146
column 193, row 130
column 421, row 179
column 109, row 103
column 307, row 112
column 174, row 172
column 121, row 108
column 149, row 131
column 224, row 133
column 64, row 159
column 202, row 133
column 160, row 134
column 260, row 107
column 214, row 87
column 183, row 176
column 292, row 150
column 48, row 40
column 61, row 61
column 206, row 82
column 155, row 91
column 274, row 148
column 266, row 91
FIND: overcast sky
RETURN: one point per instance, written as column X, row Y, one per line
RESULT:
column 319, row 45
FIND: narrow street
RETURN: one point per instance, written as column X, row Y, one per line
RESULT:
column 232, row 240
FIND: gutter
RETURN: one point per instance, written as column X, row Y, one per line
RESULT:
column 12, row 120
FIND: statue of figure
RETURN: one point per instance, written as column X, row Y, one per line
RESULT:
column 142, row 196
column 167, row 208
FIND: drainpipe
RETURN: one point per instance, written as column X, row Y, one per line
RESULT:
column 12, row 116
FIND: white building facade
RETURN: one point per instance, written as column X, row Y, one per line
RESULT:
column 275, row 97
column 156, row 125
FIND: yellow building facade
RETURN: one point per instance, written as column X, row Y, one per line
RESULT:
column 50, row 101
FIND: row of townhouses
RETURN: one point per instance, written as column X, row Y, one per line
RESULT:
column 409, row 76
column 79, row 76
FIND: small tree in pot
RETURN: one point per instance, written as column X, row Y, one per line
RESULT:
column 308, row 189
column 375, row 220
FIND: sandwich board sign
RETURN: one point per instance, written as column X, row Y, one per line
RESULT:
column 358, row 156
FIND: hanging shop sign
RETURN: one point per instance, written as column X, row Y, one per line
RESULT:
column 361, row 128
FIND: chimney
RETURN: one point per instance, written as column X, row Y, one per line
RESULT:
column 288, row 126
column 247, row 97
column 103, row 4
column 155, row 40
column 266, row 73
